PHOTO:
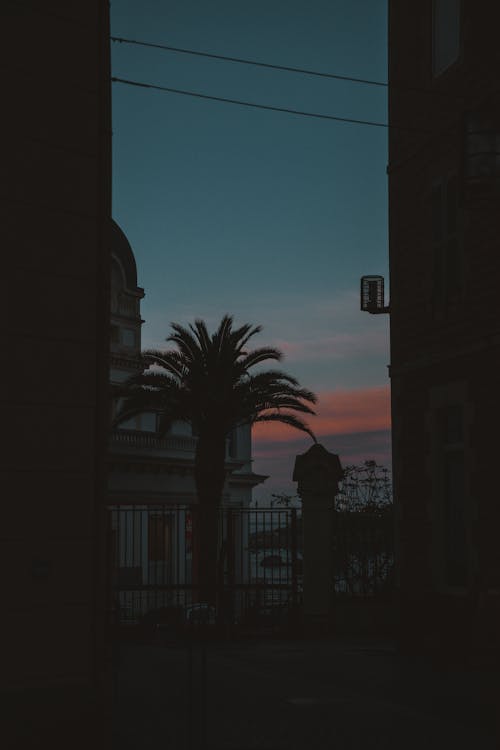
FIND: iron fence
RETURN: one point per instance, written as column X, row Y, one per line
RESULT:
column 260, row 563
column 153, row 552
column 363, row 553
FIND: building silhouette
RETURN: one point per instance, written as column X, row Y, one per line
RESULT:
column 56, row 196
column 444, row 180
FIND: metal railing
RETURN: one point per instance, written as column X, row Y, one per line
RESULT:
column 154, row 561
column 363, row 553
column 153, row 553
column 138, row 439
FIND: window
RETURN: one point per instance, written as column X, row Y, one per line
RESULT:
column 115, row 334
column 453, row 481
column 482, row 146
column 128, row 337
column 447, row 248
column 445, row 34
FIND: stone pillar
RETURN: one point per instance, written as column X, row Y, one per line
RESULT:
column 317, row 473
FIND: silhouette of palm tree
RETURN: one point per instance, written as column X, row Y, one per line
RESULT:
column 207, row 381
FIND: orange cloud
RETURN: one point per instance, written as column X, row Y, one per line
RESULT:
column 338, row 412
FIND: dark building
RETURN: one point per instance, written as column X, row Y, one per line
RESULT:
column 444, row 221
column 55, row 203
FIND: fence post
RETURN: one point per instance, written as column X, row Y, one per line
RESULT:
column 317, row 473
column 295, row 582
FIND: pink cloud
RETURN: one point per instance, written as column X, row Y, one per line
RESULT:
column 337, row 346
column 338, row 412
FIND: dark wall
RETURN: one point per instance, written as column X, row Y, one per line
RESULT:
column 445, row 332
column 55, row 204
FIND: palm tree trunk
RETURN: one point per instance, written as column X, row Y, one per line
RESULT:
column 210, row 477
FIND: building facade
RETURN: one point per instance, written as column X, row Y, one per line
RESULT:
column 444, row 188
column 56, row 196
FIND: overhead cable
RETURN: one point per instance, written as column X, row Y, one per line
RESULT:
column 255, row 105
column 226, row 58
column 273, row 66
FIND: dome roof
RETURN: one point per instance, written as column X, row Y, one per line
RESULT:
column 120, row 248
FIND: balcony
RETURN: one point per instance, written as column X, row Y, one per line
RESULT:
column 140, row 442
column 137, row 442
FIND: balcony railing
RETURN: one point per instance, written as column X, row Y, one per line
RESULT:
column 148, row 441
column 137, row 440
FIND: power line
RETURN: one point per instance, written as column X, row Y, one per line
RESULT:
column 286, row 68
column 255, row 105
column 243, row 61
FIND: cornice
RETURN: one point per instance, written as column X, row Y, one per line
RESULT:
column 247, row 479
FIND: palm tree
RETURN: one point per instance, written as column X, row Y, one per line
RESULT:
column 207, row 381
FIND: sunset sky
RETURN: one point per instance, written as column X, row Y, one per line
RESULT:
column 270, row 217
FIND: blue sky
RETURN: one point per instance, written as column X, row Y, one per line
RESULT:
column 268, row 216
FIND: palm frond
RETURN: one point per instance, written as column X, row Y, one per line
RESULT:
column 186, row 342
column 222, row 333
column 257, row 356
column 279, row 386
column 169, row 359
column 242, row 335
column 285, row 402
column 157, row 356
column 261, row 379
column 207, row 380
column 288, row 419
column 201, row 333
column 152, row 379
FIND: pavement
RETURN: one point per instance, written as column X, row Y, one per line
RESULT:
column 268, row 694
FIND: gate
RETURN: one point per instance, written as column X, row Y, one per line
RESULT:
column 153, row 560
column 363, row 571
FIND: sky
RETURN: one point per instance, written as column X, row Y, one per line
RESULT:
column 270, row 217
